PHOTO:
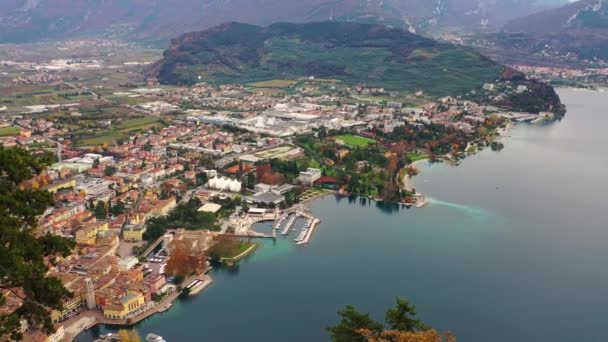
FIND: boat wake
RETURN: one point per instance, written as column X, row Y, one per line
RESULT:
column 479, row 214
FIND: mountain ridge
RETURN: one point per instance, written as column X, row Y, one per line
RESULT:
column 579, row 28
column 160, row 20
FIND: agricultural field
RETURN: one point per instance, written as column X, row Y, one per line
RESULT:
column 107, row 138
column 121, row 130
column 273, row 84
column 9, row 131
column 140, row 124
column 354, row 140
column 17, row 98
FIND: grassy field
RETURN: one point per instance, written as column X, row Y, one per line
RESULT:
column 355, row 140
column 269, row 91
column 121, row 130
column 9, row 131
column 109, row 138
column 272, row 84
column 230, row 249
column 139, row 123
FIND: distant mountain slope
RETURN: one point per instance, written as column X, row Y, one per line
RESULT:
column 356, row 53
column 371, row 55
column 30, row 20
column 580, row 28
column 584, row 14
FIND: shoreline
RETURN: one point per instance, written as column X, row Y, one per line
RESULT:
column 86, row 322
column 88, row 319
column 407, row 179
column 242, row 255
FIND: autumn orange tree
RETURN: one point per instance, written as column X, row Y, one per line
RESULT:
column 184, row 261
column 265, row 174
column 407, row 336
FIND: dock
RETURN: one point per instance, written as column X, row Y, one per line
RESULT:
column 292, row 219
column 309, row 232
column 277, row 224
column 198, row 285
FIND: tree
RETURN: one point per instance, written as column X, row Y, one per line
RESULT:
column 109, row 170
column 128, row 335
column 101, row 212
column 402, row 327
column 250, row 180
column 401, row 317
column 22, row 252
column 406, row 336
column 322, row 133
column 183, row 261
column 265, row 174
column 351, row 323
column 118, row 208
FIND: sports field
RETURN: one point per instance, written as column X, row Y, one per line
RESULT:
column 354, row 140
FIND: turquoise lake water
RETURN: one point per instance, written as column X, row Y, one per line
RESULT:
column 513, row 248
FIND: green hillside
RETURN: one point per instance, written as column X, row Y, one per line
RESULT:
column 364, row 54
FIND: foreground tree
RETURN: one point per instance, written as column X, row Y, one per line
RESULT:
column 351, row 324
column 22, row 250
column 402, row 317
column 402, row 324
column 406, row 336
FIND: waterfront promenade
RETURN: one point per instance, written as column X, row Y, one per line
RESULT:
column 87, row 319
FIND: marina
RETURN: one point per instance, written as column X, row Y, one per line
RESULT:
column 285, row 222
column 290, row 218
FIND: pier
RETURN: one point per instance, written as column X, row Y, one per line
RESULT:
column 308, row 234
column 290, row 223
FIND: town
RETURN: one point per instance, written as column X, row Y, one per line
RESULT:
column 155, row 184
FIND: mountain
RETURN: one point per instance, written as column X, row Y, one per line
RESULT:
column 368, row 54
column 158, row 20
column 579, row 28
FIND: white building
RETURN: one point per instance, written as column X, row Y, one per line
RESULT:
column 261, row 187
column 309, row 176
column 224, row 184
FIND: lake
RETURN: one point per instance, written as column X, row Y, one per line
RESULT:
column 512, row 248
